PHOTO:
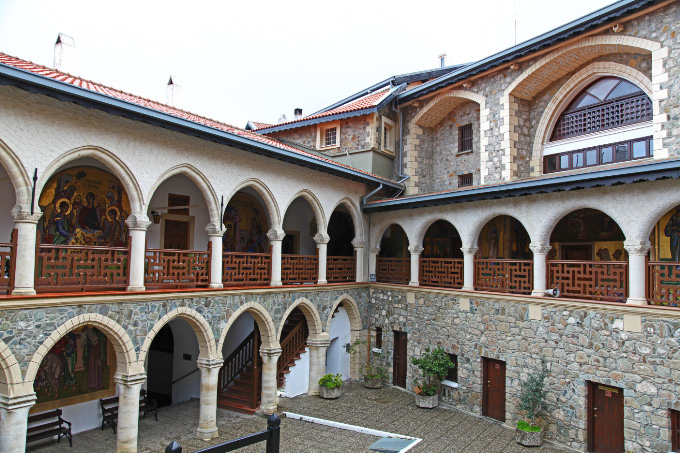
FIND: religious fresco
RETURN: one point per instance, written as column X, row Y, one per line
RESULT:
column 665, row 237
column 504, row 237
column 79, row 367
column 84, row 206
column 442, row 241
column 246, row 225
column 589, row 227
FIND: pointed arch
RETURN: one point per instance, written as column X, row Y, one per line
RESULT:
column 316, row 207
column 354, row 213
column 264, row 322
column 421, row 230
column 382, row 228
column 203, row 331
column 480, row 222
column 352, row 309
column 267, row 197
column 311, row 315
column 435, row 110
column 17, row 174
column 10, row 372
column 201, row 182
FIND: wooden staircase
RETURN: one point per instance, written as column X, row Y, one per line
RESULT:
column 294, row 341
column 240, row 377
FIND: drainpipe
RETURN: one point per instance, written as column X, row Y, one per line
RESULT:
column 372, row 193
column 401, row 143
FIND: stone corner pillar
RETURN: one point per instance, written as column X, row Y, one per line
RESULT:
column 358, row 245
column 215, row 237
column 469, row 267
column 322, row 240
column 270, row 397
column 207, row 417
column 275, row 241
column 137, row 225
column 637, row 254
column 540, row 268
column 415, row 250
column 317, row 361
column 129, row 386
column 14, row 421
column 373, row 260
column 24, row 269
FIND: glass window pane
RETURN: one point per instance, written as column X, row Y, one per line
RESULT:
column 639, row 149
column 564, row 162
column 606, row 155
column 651, row 147
column 622, row 152
column 577, row 160
column 591, row 157
column 624, row 89
column 550, row 164
column 582, row 101
column 602, row 87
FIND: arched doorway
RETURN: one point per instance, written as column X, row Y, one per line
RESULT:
column 663, row 268
column 393, row 263
column 341, row 265
column 293, row 365
column 441, row 261
column 299, row 259
column 587, row 259
column 160, row 367
column 338, row 360
column 505, row 261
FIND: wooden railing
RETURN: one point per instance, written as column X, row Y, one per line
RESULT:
column 505, row 276
column 299, row 269
column 8, row 252
column 81, row 268
column 663, row 283
column 341, row 269
column 596, row 280
column 393, row 270
column 246, row 269
column 446, row 272
column 245, row 353
column 166, row 268
column 292, row 345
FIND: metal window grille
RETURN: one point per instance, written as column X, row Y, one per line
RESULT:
column 330, row 137
column 465, row 180
column 178, row 200
column 465, row 138
column 386, row 137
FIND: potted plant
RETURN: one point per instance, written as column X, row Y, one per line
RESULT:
column 532, row 403
column 433, row 364
column 373, row 375
column 330, row 386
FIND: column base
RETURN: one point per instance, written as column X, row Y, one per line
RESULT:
column 207, row 434
column 216, row 285
column 467, row 288
column 135, row 288
column 276, row 284
column 23, row 292
column 322, row 282
column 413, row 284
column 268, row 410
column 636, row 301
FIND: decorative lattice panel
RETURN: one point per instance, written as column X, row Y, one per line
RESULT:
column 176, row 268
column 393, row 270
column 596, row 280
column 243, row 269
column 663, row 282
column 341, row 269
column 507, row 276
column 446, row 272
column 299, row 269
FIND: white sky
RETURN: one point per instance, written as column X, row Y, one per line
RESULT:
column 246, row 60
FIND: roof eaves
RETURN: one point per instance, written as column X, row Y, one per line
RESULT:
column 319, row 120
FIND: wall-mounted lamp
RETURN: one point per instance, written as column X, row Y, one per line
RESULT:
column 156, row 217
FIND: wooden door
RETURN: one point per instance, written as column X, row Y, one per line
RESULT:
column 176, row 235
column 675, row 430
column 605, row 418
column 493, row 393
column 400, row 360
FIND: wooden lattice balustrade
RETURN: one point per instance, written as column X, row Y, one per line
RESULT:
column 663, row 283
column 446, row 272
column 595, row 280
column 165, row 268
column 393, row 270
column 81, row 268
column 7, row 262
column 504, row 276
column 299, row 269
column 341, row 269
column 246, row 269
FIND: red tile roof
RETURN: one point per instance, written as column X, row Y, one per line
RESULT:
column 44, row 71
column 259, row 125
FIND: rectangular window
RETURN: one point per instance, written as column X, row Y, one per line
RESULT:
column 591, row 157
column 378, row 337
column 178, row 200
column 550, row 164
column 465, row 180
column 465, row 138
column 639, row 149
column 577, row 160
column 606, row 155
column 330, row 137
column 453, row 372
column 622, row 152
column 564, row 162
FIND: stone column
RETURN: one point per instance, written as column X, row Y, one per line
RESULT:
column 321, row 240
column 415, row 250
column 24, row 269
column 275, row 240
column 207, row 417
column 469, row 267
column 129, row 386
column 372, row 260
column 317, row 361
column 540, row 268
column 14, row 421
column 137, row 226
column 270, row 398
column 359, row 258
column 637, row 252
column 215, row 237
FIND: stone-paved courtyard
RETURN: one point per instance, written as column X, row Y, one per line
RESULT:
column 388, row 409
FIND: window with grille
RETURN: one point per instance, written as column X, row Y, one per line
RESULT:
column 178, row 200
column 378, row 337
column 465, row 180
column 453, row 372
column 330, row 137
column 465, row 138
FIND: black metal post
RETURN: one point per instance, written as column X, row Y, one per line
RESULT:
column 274, row 428
column 174, row 447
column 35, row 180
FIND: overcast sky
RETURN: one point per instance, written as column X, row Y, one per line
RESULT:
column 247, row 60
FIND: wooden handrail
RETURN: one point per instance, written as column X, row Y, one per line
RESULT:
column 292, row 345
column 82, row 247
column 236, row 362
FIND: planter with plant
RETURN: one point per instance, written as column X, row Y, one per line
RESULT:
column 532, row 403
column 433, row 364
column 373, row 375
column 330, row 386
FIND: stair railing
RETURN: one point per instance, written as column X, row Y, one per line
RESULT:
column 236, row 362
column 292, row 345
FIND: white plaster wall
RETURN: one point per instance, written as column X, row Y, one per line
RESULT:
column 7, row 202
column 83, row 416
column 185, row 343
column 238, row 331
column 337, row 358
column 298, row 218
column 297, row 381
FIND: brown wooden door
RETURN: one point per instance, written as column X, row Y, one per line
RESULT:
column 493, row 394
column 400, row 360
column 176, row 235
column 675, row 430
column 605, row 418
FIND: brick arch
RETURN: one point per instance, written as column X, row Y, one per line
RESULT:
column 311, row 315
column 17, row 174
column 352, row 309
column 267, row 197
column 10, row 372
column 201, row 182
column 356, row 216
column 264, row 322
column 126, row 358
column 315, row 205
column 203, row 331
column 569, row 91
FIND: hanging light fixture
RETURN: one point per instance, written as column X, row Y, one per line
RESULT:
column 156, row 217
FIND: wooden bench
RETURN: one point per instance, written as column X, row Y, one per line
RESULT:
column 54, row 426
column 110, row 409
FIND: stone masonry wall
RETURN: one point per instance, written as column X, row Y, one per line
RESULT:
column 355, row 134
column 579, row 345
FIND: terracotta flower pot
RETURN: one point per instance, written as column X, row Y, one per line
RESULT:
column 373, row 383
column 329, row 394
column 529, row 439
column 427, row 402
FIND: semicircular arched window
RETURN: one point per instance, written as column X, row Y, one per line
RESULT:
column 607, row 103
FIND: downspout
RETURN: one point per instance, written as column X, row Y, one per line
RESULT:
column 401, row 143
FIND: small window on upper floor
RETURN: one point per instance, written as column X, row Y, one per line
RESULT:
column 328, row 135
column 388, row 135
column 465, row 138
column 453, row 372
column 465, row 180
column 378, row 337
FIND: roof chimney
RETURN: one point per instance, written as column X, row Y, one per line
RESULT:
column 283, row 119
column 442, row 60
column 172, row 92
column 65, row 54
column 298, row 114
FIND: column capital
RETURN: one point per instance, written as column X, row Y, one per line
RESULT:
column 375, row 250
column 322, row 339
column 18, row 401
column 129, row 379
column 540, row 249
column 322, row 238
column 137, row 222
column 214, row 231
column 358, row 243
column 26, row 216
column 207, row 364
column 415, row 249
column 270, row 352
column 637, row 247
column 276, row 235
column 469, row 250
